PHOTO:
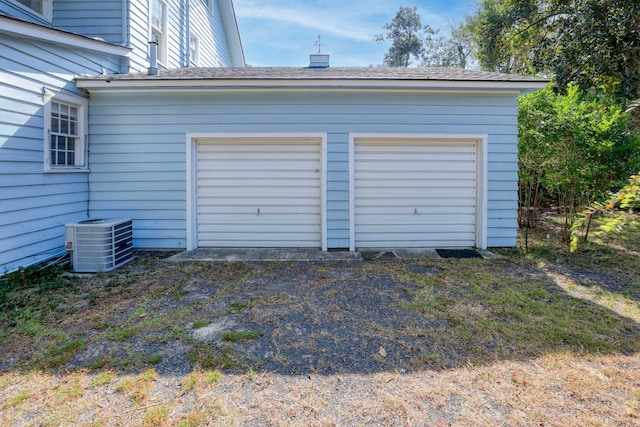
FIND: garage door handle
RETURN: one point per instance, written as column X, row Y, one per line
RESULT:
column 258, row 212
column 415, row 212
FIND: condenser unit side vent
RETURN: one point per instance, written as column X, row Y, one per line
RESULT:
column 99, row 244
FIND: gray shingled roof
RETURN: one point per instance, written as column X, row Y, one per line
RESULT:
column 331, row 73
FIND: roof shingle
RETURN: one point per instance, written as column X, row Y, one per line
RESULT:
column 331, row 73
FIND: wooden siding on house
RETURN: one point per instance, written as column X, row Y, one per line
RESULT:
column 34, row 206
column 138, row 157
column 101, row 19
column 206, row 24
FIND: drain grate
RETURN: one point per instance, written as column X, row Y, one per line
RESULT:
column 458, row 253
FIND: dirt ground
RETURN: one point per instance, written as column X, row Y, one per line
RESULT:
column 428, row 342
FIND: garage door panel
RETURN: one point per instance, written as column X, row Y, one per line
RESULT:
column 400, row 192
column 256, row 240
column 289, row 193
column 236, row 175
column 431, row 166
column 249, row 206
column 415, row 193
column 267, row 165
column 412, row 203
column 410, row 228
column 262, row 182
column 400, row 221
column 440, row 210
column 249, row 209
column 409, row 158
column 260, row 192
column 248, row 228
column 443, row 240
column 392, row 146
column 419, row 175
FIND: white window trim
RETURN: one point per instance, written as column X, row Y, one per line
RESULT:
column 47, row 9
column 194, row 50
column 162, row 45
column 82, row 104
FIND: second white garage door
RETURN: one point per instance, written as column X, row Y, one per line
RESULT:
column 415, row 193
column 259, row 192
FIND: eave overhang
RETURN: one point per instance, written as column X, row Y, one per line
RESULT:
column 232, row 33
column 15, row 26
column 105, row 84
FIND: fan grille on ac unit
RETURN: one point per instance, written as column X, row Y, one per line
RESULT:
column 100, row 244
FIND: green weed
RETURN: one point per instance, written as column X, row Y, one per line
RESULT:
column 16, row 400
column 235, row 336
column 212, row 376
column 103, row 378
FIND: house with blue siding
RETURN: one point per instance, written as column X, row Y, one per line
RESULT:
column 200, row 151
column 45, row 134
column 317, row 157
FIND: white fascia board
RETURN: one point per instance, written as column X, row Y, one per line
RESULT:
column 232, row 32
column 34, row 31
column 201, row 84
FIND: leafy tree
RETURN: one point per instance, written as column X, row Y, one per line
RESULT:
column 411, row 39
column 404, row 32
column 446, row 52
column 574, row 148
column 618, row 211
column 591, row 43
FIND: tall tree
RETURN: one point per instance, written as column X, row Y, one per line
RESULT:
column 592, row 43
column 447, row 52
column 573, row 149
column 411, row 39
column 404, row 32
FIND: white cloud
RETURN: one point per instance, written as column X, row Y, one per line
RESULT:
column 344, row 21
column 283, row 32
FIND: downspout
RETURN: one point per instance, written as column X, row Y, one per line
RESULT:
column 188, row 31
column 125, row 23
column 125, row 63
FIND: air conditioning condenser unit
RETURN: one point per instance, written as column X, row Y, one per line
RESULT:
column 99, row 244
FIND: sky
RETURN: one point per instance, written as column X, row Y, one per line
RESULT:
column 284, row 32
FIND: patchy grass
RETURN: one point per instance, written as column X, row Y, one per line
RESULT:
column 235, row 336
column 537, row 337
column 487, row 312
column 139, row 387
column 212, row 376
column 156, row 416
column 16, row 400
column 103, row 378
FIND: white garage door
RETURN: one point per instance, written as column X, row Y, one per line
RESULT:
column 259, row 193
column 415, row 193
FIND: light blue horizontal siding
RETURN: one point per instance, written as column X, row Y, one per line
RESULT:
column 138, row 34
column 34, row 206
column 145, row 135
column 92, row 18
column 204, row 23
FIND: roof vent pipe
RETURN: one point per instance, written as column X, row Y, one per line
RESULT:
column 153, row 58
column 318, row 60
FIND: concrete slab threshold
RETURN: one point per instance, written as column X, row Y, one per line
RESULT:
column 295, row 254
